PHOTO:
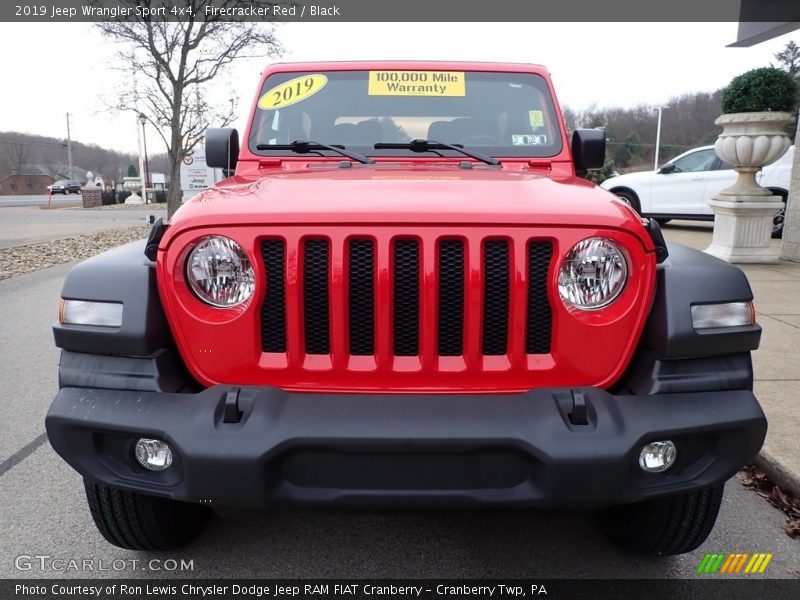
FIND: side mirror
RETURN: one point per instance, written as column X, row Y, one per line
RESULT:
column 222, row 149
column 588, row 149
column 667, row 169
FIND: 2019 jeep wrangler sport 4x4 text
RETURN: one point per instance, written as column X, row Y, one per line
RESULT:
column 403, row 295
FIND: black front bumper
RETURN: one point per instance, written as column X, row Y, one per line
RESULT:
column 378, row 449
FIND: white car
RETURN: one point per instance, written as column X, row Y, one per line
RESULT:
column 681, row 188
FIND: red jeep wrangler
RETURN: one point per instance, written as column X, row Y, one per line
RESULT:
column 404, row 294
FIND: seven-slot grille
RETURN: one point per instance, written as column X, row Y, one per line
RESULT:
column 502, row 276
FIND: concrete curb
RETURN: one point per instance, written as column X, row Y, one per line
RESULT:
column 784, row 477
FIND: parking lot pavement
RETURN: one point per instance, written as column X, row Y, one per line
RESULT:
column 21, row 225
column 776, row 290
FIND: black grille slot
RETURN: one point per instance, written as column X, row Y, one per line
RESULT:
column 273, row 311
column 540, row 320
column 406, row 298
column 495, row 297
column 361, row 282
column 316, row 269
column 451, row 298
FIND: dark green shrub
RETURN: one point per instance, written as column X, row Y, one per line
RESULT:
column 107, row 197
column 598, row 176
column 764, row 89
column 121, row 196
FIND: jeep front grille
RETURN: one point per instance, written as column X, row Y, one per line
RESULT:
column 537, row 336
column 406, row 298
column 273, row 311
column 381, row 288
column 316, row 294
column 451, row 297
column 361, row 300
column 495, row 297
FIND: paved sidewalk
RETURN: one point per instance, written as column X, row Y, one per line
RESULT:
column 776, row 289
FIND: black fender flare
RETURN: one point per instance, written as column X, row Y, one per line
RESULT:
column 123, row 275
column 690, row 277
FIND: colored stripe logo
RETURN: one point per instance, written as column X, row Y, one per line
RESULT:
column 737, row 563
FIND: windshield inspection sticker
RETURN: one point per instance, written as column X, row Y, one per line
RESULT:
column 528, row 140
column 291, row 92
column 416, row 83
column 536, row 118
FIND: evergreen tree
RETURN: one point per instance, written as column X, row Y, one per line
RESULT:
column 789, row 60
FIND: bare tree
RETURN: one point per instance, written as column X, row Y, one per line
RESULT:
column 17, row 154
column 173, row 62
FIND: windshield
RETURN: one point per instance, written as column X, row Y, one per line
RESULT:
column 501, row 114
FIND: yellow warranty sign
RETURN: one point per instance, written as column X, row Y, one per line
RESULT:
column 291, row 92
column 416, row 83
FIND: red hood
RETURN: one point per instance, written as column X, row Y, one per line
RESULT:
column 442, row 194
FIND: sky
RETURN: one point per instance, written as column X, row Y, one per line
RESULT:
column 50, row 69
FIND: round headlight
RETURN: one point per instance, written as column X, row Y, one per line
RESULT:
column 593, row 274
column 220, row 273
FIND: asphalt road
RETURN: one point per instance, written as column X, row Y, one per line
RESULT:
column 40, row 200
column 28, row 224
column 43, row 511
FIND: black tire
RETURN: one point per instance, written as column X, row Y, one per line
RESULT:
column 778, row 219
column 665, row 526
column 663, row 221
column 138, row 522
column 630, row 198
column 65, row 192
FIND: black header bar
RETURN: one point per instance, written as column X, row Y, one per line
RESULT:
column 742, row 588
column 333, row 11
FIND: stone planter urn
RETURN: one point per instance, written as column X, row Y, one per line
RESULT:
column 744, row 211
column 133, row 185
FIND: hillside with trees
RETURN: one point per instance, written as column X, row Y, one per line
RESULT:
column 19, row 151
column 687, row 122
column 631, row 132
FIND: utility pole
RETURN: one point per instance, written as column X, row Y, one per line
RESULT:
column 658, row 136
column 69, row 149
column 147, row 181
column 141, row 119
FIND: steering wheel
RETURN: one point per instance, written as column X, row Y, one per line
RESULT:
column 481, row 139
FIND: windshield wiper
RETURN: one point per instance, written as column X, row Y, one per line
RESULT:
column 425, row 145
column 303, row 147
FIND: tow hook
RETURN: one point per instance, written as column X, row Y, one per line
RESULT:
column 232, row 414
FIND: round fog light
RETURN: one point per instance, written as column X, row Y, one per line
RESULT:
column 657, row 457
column 153, row 455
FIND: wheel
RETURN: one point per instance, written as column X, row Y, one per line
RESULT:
column 65, row 192
column 777, row 220
column 138, row 522
column 630, row 198
column 665, row 526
